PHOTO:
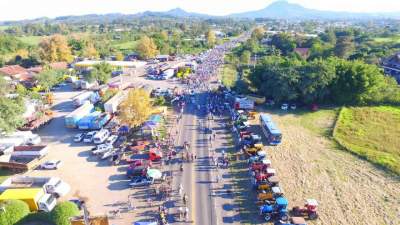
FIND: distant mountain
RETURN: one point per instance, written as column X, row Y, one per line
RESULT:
column 178, row 12
column 106, row 18
column 280, row 9
column 286, row 10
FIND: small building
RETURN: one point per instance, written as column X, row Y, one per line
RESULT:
column 391, row 66
column 303, row 52
column 15, row 73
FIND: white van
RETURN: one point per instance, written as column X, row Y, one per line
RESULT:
column 101, row 136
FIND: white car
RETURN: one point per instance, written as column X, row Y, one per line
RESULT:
column 100, row 149
column 285, row 106
column 110, row 140
column 51, row 165
column 293, row 107
column 89, row 136
column 79, row 137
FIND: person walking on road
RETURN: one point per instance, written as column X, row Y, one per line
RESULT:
column 184, row 199
column 186, row 213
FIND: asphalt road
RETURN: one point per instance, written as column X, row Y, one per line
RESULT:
column 196, row 177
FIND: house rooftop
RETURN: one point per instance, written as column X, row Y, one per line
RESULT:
column 303, row 52
column 13, row 70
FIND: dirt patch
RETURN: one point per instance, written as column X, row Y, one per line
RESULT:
column 349, row 190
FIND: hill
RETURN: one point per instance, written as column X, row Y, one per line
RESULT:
column 286, row 10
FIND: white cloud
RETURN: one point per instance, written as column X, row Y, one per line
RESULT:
column 22, row 9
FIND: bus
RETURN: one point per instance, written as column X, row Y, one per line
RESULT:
column 271, row 132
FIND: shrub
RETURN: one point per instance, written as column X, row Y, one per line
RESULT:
column 159, row 101
column 62, row 213
column 14, row 211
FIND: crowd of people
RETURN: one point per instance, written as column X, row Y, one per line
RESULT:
column 209, row 62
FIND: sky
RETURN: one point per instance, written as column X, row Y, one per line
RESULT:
column 29, row 9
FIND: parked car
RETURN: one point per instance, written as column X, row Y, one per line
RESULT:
column 285, row 106
column 51, row 165
column 79, row 137
column 89, row 136
column 110, row 140
column 119, row 142
column 293, row 106
column 101, row 136
column 100, row 149
column 141, row 181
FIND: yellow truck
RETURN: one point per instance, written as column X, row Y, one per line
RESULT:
column 36, row 198
column 256, row 98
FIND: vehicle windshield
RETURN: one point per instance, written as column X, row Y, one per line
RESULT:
column 50, row 200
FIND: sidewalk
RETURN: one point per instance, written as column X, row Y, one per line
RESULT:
column 223, row 190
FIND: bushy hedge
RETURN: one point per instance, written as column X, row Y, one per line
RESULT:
column 13, row 212
column 63, row 212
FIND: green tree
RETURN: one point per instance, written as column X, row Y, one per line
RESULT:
column 146, row 47
column 344, row 47
column 258, row 33
column 136, row 108
column 14, row 211
column 100, row 73
column 356, row 82
column 11, row 111
column 62, row 213
column 328, row 36
column 90, row 51
column 55, row 49
column 245, row 57
column 284, row 42
column 4, row 87
column 48, row 78
column 159, row 101
column 211, row 39
column 315, row 79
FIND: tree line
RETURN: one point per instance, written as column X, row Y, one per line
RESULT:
column 331, row 80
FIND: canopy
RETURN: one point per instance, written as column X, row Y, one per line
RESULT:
column 145, row 223
column 153, row 173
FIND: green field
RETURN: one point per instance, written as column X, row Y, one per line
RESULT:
column 4, row 27
column 372, row 133
column 129, row 45
column 31, row 40
column 394, row 39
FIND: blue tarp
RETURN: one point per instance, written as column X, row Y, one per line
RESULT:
column 155, row 118
column 123, row 129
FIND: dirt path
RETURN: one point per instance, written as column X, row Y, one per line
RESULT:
column 349, row 190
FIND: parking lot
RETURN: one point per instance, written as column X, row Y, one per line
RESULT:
column 104, row 186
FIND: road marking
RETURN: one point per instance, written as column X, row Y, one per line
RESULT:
column 193, row 174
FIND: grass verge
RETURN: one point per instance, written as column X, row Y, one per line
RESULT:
column 372, row 133
column 31, row 40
